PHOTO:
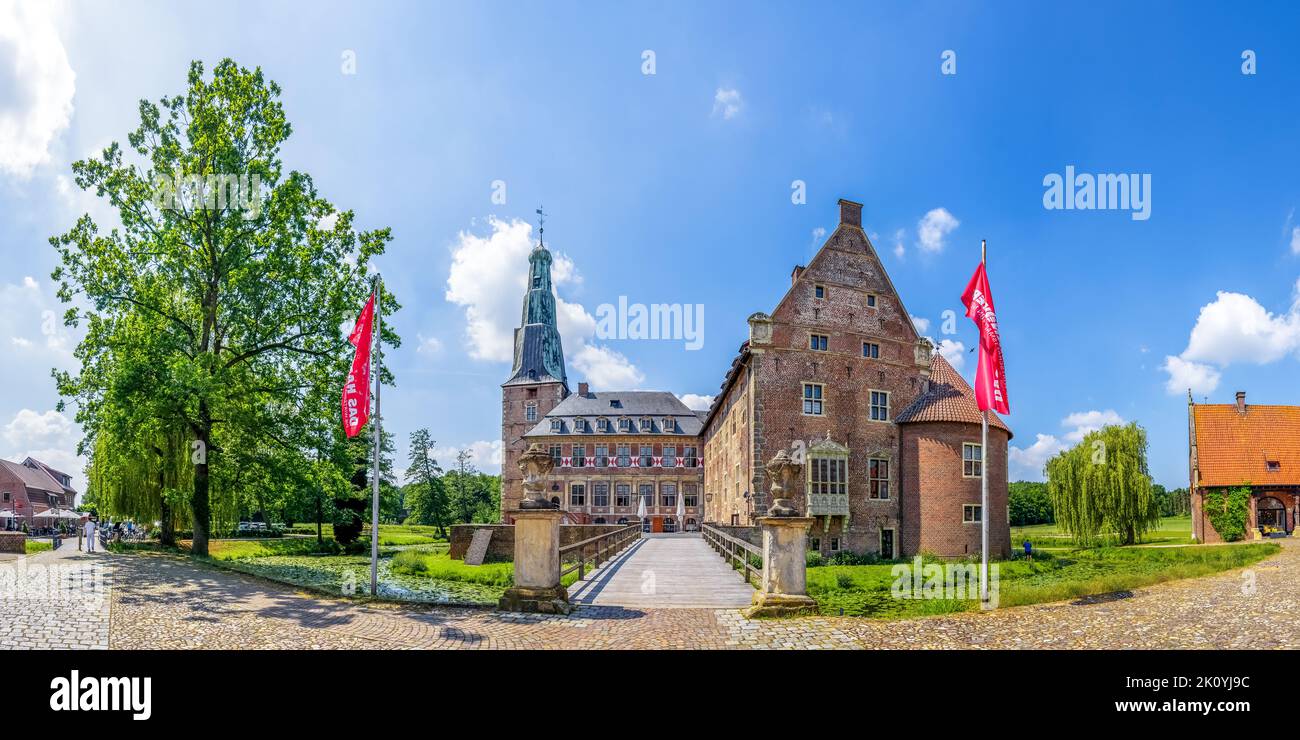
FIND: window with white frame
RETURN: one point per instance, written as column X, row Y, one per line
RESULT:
column 880, row 405
column 971, row 513
column 530, row 412
column 818, row 342
column 624, row 456
column 557, row 454
column 972, row 460
column 670, row 456
column 828, row 475
column 835, row 544
column 555, row 425
column 600, row 494
column 812, row 399
column 647, row 456
column 645, row 423
column 623, row 494
column 878, row 479
column 625, row 424
column 579, row 456
column 871, row 350
column 602, row 456
column 647, row 493
column 669, row 425
column 690, row 458
column 690, row 495
column 668, row 494
column 602, row 424
column 578, row 494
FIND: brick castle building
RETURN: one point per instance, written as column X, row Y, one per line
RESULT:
column 836, row 375
column 1240, row 444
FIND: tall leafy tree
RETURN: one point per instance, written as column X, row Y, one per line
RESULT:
column 241, row 269
column 429, row 501
column 1103, row 485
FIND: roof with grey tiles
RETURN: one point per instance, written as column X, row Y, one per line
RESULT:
column 613, row 405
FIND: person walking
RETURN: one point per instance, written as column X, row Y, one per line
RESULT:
column 90, row 535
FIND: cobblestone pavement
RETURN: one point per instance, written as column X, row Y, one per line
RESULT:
column 58, row 599
column 167, row 602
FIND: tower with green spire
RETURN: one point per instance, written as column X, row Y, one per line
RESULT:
column 538, row 381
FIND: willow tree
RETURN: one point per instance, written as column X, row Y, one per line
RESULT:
column 1103, row 485
column 244, row 271
column 143, row 476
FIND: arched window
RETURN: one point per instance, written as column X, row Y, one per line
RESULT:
column 692, row 525
column 599, row 520
column 622, row 520
column 670, row 525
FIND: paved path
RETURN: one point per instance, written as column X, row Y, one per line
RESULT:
column 665, row 571
column 161, row 601
column 55, row 599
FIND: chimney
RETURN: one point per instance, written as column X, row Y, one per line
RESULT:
column 850, row 213
column 1241, row 402
column 582, row 390
column 795, row 273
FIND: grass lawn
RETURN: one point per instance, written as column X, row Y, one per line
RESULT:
column 389, row 534
column 865, row 590
column 440, row 566
column 1172, row 530
column 35, row 546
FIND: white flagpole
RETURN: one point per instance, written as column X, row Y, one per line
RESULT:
column 375, row 364
column 984, row 478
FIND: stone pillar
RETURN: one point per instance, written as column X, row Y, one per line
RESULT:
column 537, row 564
column 784, row 590
column 785, row 538
column 537, row 543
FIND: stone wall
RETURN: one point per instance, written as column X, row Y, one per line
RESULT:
column 13, row 542
column 502, row 546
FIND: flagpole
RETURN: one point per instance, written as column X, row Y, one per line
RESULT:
column 379, row 433
column 984, row 478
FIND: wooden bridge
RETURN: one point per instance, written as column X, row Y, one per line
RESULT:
column 665, row 571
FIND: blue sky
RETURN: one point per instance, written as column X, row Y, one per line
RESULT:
column 676, row 187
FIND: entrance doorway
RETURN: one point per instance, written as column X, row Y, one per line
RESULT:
column 886, row 544
column 1271, row 513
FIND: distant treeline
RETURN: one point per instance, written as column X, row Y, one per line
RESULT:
column 1029, row 503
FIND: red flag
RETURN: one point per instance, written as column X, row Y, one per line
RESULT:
column 356, row 392
column 991, row 377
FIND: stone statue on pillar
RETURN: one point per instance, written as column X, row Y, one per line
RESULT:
column 536, row 464
column 784, row 588
column 537, row 543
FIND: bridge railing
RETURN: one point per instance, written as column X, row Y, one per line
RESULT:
column 737, row 552
column 597, row 550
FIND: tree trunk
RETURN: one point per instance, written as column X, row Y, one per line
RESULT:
column 320, row 540
column 167, row 537
column 202, row 512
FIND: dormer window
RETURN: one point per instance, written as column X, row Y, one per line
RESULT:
column 645, row 423
column 669, row 425
column 555, row 425
column 614, row 403
column 602, row 424
column 1273, row 466
column 625, row 424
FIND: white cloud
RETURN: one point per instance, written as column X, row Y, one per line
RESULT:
column 727, row 103
column 933, row 228
column 21, row 342
column 1027, row 463
column 1187, row 376
column 953, row 352
column 1081, row 423
column 484, row 454
column 488, row 278
column 1295, row 240
column 25, row 311
column 818, row 236
column 1232, row 328
column 696, row 401
column 606, row 369
column 49, row 437
column 428, row 345
column 922, row 325
column 30, row 283
column 899, row 249
column 39, row 85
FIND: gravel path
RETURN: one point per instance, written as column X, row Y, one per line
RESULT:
column 164, row 602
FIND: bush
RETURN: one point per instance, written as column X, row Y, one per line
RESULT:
column 347, row 525
column 35, row 546
column 848, row 557
column 813, row 559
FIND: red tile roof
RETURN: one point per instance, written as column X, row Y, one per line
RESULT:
column 1233, row 448
column 949, row 398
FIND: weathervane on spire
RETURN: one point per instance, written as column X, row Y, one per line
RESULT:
column 541, row 227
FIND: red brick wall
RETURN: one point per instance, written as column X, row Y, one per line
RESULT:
column 18, row 499
column 934, row 491
column 514, row 424
column 1204, row 530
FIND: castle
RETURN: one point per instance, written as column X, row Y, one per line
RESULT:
column 837, row 375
